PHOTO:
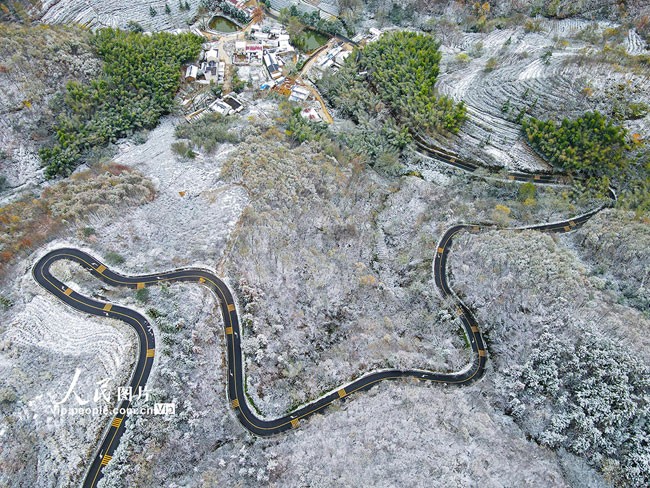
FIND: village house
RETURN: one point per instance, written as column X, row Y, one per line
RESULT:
column 299, row 93
column 255, row 52
column 276, row 38
column 213, row 69
column 235, row 104
column 273, row 65
column 227, row 105
column 248, row 53
column 191, row 73
column 332, row 59
column 220, row 107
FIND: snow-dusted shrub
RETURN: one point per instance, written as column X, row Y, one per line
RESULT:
column 591, row 397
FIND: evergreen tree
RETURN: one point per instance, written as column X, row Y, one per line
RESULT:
column 403, row 68
column 137, row 86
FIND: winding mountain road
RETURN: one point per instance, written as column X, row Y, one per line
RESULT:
column 232, row 330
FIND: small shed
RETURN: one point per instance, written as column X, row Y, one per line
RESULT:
column 236, row 105
column 220, row 107
column 299, row 93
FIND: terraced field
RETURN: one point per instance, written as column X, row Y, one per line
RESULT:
column 533, row 73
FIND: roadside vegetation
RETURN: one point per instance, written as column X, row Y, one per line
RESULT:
column 29, row 222
column 591, row 146
column 137, row 85
column 598, row 152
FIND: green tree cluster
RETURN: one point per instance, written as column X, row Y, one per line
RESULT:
column 591, row 147
column 375, row 134
column 403, row 67
column 313, row 20
column 227, row 8
column 300, row 129
column 139, row 80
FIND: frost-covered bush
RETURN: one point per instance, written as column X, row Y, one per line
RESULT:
column 331, row 287
column 30, row 221
column 591, row 397
column 206, row 133
column 575, row 361
column 617, row 244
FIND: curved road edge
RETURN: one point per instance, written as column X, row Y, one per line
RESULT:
column 236, row 393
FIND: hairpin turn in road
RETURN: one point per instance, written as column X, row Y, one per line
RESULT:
column 232, row 330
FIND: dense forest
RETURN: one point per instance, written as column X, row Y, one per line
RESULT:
column 403, row 68
column 593, row 395
column 137, row 85
column 590, row 146
column 394, row 97
column 598, row 152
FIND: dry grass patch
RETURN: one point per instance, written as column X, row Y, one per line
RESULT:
column 31, row 221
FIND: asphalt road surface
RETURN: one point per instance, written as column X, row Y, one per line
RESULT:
column 232, row 330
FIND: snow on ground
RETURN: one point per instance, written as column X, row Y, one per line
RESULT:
column 45, row 344
column 117, row 13
column 634, row 43
column 70, row 333
column 487, row 131
column 398, row 434
column 570, row 27
column 191, row 218
column 525, row 286
column 390, row 263
column 538, row 72
column 24, row 173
